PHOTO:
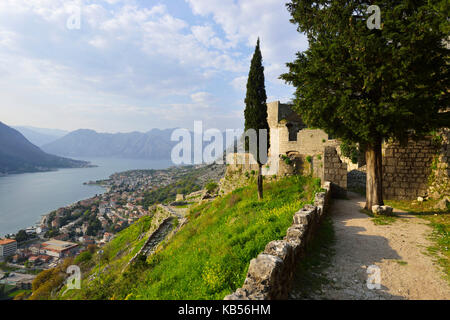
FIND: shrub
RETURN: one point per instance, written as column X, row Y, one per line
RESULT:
column 286, row 159
column 83, row 257
column 211, row 187
column 350, row 150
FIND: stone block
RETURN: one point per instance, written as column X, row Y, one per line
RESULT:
column 240, row 294
column 280, row 249
column 382, row 210
column 296, row 233
column 305, row 215
column 263, row 276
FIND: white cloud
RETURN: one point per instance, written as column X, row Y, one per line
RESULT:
column 203, row 34
column 98, row 42
column 239, row 83
column 202, row 98
column 132, row 63
column 244, row 21
column 7, row 39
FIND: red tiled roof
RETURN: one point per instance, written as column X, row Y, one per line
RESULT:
column 6, row 241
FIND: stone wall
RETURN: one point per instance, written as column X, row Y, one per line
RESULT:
column 418, row 169
column 309, row 142
column 406, row 169
column 439, row 179
column 241, row 161
column 356, row 181
column 288, row 133
column 270, row 275
column 234, row 178
column 335, row 171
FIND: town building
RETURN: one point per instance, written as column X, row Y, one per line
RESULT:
column 58, row 248
column 8, row 247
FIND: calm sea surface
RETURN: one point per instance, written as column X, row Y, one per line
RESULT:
column 25, row 197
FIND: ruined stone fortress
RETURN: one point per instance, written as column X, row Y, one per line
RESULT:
column 419, row 168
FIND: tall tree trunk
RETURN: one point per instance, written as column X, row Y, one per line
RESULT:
column 260, row 182
column 374, row 185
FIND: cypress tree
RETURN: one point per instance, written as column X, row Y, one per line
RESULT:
column 256, row 108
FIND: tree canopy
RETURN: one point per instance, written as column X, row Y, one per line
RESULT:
column 363, row 85
column 360, row 84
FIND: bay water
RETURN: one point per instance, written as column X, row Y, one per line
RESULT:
column 24, row 198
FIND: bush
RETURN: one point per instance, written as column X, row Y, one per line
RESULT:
column 211, row 187
column 286, row 159
column 83, row 257
column 21, row 236
column 46, row 282
column 350, row 150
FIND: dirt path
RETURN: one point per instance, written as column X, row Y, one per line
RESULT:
column 397, row 249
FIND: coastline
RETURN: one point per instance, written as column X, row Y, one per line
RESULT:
column 49, row 191
column 43, row 170
column 44, row 217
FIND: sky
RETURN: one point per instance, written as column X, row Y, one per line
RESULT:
column 129, row 65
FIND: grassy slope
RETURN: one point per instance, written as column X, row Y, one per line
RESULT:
column 209, row 257
column 108, row 265
column 439, row 221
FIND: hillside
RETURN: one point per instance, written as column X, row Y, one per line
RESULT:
column 18, row 155
column 40, row 136
column 208, row 258
column 154, row 144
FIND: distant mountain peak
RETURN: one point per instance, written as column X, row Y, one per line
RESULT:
column 17, row 154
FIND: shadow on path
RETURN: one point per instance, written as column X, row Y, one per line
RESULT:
column 338, row 265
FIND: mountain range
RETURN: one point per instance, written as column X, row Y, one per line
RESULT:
column 18, row 155
column 154, row 144
column 40, row 136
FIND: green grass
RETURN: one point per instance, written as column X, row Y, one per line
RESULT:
column 5, row 291
column 439, row 221
column 209, row 257
column 107, row 265
column 380, row 220
column 401, row 262
column 16, row 292
column 310, row 271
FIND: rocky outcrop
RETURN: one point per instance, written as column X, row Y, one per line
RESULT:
column 270, row 274
column 163, row 227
